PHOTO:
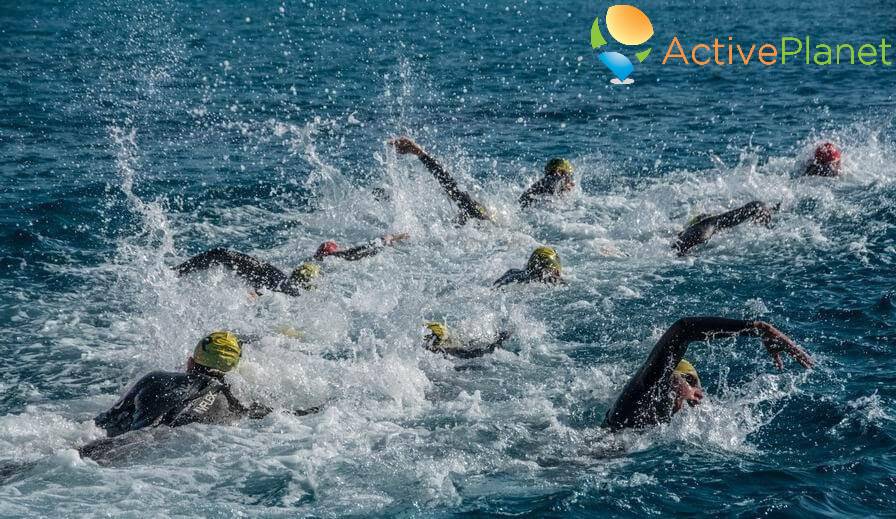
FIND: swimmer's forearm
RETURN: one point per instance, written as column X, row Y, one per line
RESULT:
column 360, row 252
column 706, row 327
column 673, row 345
column 750, row 211
column 441, row 174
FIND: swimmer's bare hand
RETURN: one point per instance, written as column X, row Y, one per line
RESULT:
column 776, row 342
column 406, row 146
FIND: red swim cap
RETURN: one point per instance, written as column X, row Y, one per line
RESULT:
column 326, row 248
column 827, row 153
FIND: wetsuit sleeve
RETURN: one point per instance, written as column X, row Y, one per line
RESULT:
column 362, row 251
column 253, row 270
column 694, row 235
column 117, row 420
column 469, row 352
column 652, row 379
column 462, row 199
column 146, row 404
column 254, row 410
column 542, row 187
column 753, row 210
column 703, row 230
column 511, row 276
column 672, row 346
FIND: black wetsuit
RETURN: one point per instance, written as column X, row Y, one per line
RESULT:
column 469, row 208
column 648, row 398
column 525, row 276
column 259, row 274
column 171, row 399
column 467, row 351
column 548, row 185
column 355, row 253
column 821, row 170
column 263, row 275
column 702, row 231
column 174, row 399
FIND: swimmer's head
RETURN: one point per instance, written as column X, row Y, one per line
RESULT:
column 304, row 275
column 436, row 334
column 826, row 161
column 827, row 154
column 686, row 385
column 559, row 167
column 544, row 263
column 326, row 248
column 219, row 351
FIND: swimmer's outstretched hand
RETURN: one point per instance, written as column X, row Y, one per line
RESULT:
column 406, row 146
column 392, row 239
column 776, row 342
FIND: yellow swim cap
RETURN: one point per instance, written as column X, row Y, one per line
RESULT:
column 304, row 274
column 220, row 351
column 439, row 330
column 544, row 259
column 558, row 167
column 686, row 368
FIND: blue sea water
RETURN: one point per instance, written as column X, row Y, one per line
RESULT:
column 132, row 136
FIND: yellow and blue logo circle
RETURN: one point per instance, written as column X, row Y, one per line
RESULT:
column 629, row 26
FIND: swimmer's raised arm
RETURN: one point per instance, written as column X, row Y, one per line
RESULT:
column 469, row 207
column 654, row 393
column 674, row 343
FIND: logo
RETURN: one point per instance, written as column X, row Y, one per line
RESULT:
column 629, row 26
column 206, row 402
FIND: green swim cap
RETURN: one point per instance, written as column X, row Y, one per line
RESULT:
column 304, row 274
column 544, row 259
column 439, row 330
column 219, row 351
column 558, row 167
column 686, row 368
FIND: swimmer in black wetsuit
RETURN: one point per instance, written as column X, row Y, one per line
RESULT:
column 666, row 381
column 826, row 162
column 543, row 267
column 438, row 341
column 557, row 179
column 263, row 275
column 701, row 228
column 201, row 395
column 469, row 208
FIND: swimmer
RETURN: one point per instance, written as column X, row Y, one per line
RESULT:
column 437, row 340
column 201, row 395
column 826, row 162
column 702, row 227
column 666, row 381
column 263, row 275
column 469, row 208
column 557, row 179
column 543, row 267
